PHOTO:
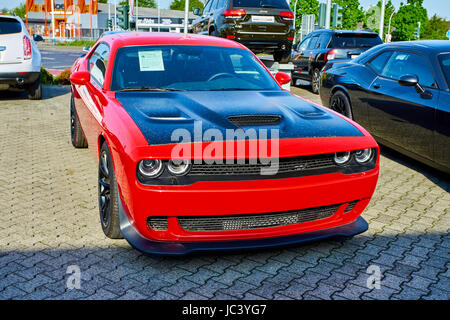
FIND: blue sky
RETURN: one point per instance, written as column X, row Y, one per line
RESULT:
column 441, row 7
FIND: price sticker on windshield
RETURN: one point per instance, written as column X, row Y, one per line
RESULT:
column 151, row 60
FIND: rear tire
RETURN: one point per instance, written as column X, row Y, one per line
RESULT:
column 340, row 103
column 35, row 90
column 315, row 81
column 108, row 195
column 76, row 134
column 282, row 56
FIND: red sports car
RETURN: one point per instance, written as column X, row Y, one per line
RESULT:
column 200, row 148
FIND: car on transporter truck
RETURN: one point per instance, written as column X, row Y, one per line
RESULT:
column 20, row 59
column 263, row 26
column 139, row 98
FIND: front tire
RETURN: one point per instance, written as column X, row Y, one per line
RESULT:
column 339, row 102
column 108, row 195
column 315, row 83
column 35, row 90
column 76, row 134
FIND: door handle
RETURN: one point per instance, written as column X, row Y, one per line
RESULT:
column 376, row 86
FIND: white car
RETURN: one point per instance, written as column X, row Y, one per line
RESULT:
column 20, row 59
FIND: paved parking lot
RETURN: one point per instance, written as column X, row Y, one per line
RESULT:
column 49, row 221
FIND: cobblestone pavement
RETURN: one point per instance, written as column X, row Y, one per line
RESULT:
column 49, row 221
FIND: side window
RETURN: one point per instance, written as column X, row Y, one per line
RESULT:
column 220, row 4
column 98, row 62
column 378, row 64
column 214, row 5
column 323, row 40
column 408, row 63
column 304, row 44
column 313, row 43
column 207, row 7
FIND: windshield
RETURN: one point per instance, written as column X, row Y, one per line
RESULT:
column 279, row 4
column 180, row 67
column 9, row 25
column 444, row 60
column 354, row 40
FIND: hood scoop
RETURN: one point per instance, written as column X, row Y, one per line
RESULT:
column 255, row 120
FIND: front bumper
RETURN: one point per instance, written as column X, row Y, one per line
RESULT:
column 147, row 246
column 18, row 78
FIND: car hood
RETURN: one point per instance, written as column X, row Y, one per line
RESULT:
column 159, row 114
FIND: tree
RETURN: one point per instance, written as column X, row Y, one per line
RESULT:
column 435, row 29
column 179, row 5
column 18, row 11
column 142, row 3
column 102, row 1
column 304, row 7
column 352, row 13
column 407, row 18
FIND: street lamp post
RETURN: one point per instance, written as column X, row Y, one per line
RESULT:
column 186, row 16
column 159, row 16
column 53, row 21
column 383, row 7
column 295, row 13
column 390, row 19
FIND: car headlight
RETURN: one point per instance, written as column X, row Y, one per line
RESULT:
column 342, row 157
column 150, row 168
column 362, row 156
column 178, row 167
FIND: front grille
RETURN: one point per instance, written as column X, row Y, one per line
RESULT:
column 157, row 223
column 286, row 165
column 254, row 120
column 256, row 221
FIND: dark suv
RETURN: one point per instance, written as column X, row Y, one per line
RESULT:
column 320, row 46
column 264, row 26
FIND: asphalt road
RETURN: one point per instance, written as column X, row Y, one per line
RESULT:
column 59, row 58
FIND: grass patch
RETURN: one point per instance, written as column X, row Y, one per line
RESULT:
column 77, row 43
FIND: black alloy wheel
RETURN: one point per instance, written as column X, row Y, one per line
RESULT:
column 108, row 198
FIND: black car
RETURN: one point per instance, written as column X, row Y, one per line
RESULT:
column 400, row 92
column 263, row 26
column 320, row 46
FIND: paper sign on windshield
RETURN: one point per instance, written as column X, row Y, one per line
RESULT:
column 151, row 60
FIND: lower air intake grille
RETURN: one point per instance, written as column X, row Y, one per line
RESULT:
column 254, row 120
column 351, row 205
column 255, row 221
column 157, row 223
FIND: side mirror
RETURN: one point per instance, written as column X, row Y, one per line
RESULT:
column 197, row 11
column 282, row 78
column 411, row 81
column 86, row 49
column 37, row 38
column 80, row 77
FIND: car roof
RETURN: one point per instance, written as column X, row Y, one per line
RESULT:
column 434, row 46
column 9, row 16
column 344, row 31
column 166, row 38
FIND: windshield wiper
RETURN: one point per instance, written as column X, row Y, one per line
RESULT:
column 149, row 89
column 268, row 6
